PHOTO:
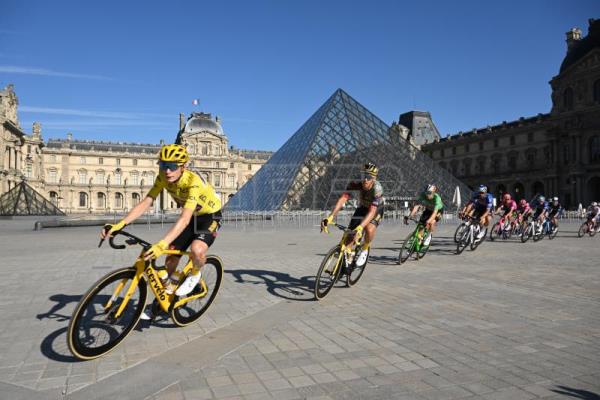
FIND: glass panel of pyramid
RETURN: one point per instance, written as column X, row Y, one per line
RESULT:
column 312, row 169
column 25, row 200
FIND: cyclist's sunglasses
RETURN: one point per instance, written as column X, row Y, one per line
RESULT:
column 368, row 177
column 168, row 165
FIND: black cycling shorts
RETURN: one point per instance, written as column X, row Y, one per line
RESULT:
column 201, row 227
column 360, row 214
column 427, row 214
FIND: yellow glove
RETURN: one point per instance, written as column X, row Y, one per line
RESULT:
column 325, row 223
column 358, row 231
column 156, row 250
column 111, row 229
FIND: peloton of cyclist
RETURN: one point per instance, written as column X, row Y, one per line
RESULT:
column 507, row 206
column 480, row 206
column 369, row 213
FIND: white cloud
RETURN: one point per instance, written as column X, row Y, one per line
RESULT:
column 13, row 69
column 91, row 113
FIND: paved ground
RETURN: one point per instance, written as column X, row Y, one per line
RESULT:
column 509, row 321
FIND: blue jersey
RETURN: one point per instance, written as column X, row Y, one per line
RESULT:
column 479, row 203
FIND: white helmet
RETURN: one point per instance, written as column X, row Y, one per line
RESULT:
column 594, row 204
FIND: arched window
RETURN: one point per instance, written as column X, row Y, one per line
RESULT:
column 597, row 91
column 101, row 200
column 135, row 198
column 118, row 200
column 568, row 98
column 54, row 198
column 83, row 199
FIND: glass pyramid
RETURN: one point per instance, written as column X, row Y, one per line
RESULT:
column 311, row 170
column 25, row 200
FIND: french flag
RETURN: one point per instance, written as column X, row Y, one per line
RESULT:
column 195, row 102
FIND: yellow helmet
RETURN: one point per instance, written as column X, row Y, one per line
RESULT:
column 174, row 153
column 371, row 169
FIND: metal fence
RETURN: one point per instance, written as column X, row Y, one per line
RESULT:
column 257, row 219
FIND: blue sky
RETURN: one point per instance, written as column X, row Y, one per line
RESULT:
column 116, row 70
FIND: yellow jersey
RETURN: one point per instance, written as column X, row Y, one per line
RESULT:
column 190, row 191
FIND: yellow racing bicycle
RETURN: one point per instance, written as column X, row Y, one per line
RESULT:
column 112, row 307
column 341, row 259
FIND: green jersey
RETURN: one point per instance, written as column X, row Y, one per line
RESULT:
column 434, row 203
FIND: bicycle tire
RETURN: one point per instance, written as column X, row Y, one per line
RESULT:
column 332, row 254
column 592, row 232
column 355, row 272
column 178, row 314
column 81, row 349
column 421, row 253
column 552, row 234
column 463, row 242
column 583, row 229
column 458, row 231
column 475, row 243
column 408, row 248
column 494, row 232
column 526, row 233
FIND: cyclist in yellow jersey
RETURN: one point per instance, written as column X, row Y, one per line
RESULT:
column 199, row 220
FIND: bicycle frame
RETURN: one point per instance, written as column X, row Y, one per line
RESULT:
column 347, row 244
column 146, row 269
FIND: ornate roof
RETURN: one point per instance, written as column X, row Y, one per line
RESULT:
column 580, row 48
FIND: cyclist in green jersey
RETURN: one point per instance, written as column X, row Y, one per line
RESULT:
column 434, row 208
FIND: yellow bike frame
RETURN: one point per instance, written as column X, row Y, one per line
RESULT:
column 346, row 246
column 166, row 301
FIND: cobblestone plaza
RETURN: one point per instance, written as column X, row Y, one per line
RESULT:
column 508, row 321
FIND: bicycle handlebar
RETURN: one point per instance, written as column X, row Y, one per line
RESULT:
column 131, row 241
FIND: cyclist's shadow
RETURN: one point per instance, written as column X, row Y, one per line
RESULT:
column 279, row 284
column 54, row 346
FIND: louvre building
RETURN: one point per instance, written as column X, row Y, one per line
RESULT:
column 311, row 170
column 74, row 176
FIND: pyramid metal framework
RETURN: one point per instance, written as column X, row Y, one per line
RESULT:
column 25, row 200
column 311, row 170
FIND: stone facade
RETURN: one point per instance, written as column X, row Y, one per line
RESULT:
column 103, row 177
column 555, row 153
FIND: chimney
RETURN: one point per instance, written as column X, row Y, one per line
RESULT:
column 181, row 121
column 573, row 36
column 69, row 136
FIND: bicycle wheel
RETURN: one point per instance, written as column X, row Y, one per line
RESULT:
column 538, row 234
column 463, row 242
column 526, row 233
column 459, row 230
column 212, row 275
column 408, row 247
column 553, row 232
column 326, row 277
column 496, row 231
column 583, row 229
column 94, row 330
column 424, row 247
column 476, row 242
column 591, row 231
column 355, row 272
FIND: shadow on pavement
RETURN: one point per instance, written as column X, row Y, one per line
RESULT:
column 576, row 393
column 54, row 346
column 279, row 284
column 61, row 300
